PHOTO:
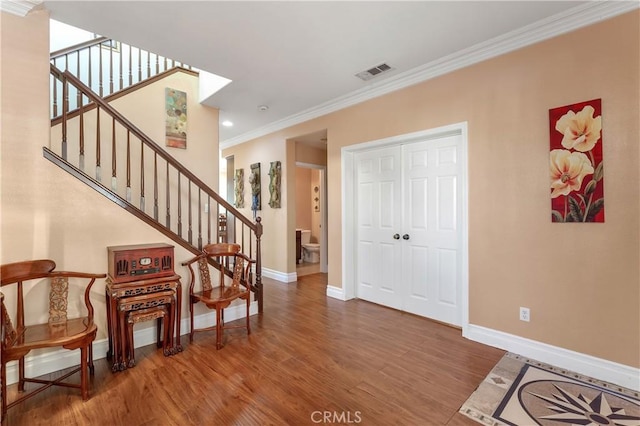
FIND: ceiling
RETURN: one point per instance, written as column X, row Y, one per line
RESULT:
column 300, row 58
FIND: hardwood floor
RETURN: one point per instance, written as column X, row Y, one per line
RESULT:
column 309, row 360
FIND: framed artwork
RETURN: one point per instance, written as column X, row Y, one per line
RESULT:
column 575, row 166
column 176, row 118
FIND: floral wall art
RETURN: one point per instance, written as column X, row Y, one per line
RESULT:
column 576, row 169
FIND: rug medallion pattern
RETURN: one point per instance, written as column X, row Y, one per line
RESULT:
column 524, row 392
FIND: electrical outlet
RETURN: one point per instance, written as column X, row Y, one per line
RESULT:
column 525, row 315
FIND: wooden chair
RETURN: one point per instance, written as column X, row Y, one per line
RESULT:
column 227, row 256
column 59, row 331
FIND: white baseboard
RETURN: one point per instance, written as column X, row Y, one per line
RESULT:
column 602, row 369
column 41, row 362
column 283, row 277
column 336, row 292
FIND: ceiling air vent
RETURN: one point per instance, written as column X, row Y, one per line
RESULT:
column 374, row 72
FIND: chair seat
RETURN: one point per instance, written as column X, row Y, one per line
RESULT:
column 220, row 295
column 71, row 334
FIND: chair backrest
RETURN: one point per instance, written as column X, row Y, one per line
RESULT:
column 228, row 256
column 44, row 269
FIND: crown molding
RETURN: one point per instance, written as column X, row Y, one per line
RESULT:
column 19, row 7
column 561, row 23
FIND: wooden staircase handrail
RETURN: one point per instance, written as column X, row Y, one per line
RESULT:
column 105, row 106
column 79, row 46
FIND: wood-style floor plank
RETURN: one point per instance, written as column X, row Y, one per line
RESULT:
column 307, row 354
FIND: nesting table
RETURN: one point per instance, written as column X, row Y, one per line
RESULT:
column 142, row 300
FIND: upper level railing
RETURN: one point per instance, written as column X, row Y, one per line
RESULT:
column 144, row 179
column 105, row 66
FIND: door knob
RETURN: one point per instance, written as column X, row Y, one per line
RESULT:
column 396, row 236
column 405, row 237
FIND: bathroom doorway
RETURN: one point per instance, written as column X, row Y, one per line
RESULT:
column 311, row 219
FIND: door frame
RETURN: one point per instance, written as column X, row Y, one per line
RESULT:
column 349, row 208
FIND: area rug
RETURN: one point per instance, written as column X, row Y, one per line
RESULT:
column 524, row 392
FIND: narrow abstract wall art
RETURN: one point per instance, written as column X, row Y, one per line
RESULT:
column 254, row 180
column 239, row 188
column 275, row 173
column 176, row 118
column 576, row 166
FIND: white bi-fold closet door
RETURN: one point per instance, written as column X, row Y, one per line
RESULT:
column 408, row 226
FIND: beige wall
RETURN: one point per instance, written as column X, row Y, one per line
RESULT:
column 581, row 281
column 45, row 212
column 303, row 206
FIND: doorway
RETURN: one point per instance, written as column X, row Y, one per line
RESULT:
column 405, row 242
column 311, row 217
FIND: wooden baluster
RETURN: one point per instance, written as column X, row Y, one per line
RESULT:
column 110, row 66
column 65, row 108
column 173, row 63
column 114, row 179
column 89, row 62
column 190, row 239
column 155, row 185
column 141, row 176
column 168, row 200
column 81, row 159
column 128, row 193
column 139, row 65
column 55, row 96
column 78, row 92
column 66, row 62
column 179, row 208
column 120, row 65
column 165, row 63
column 100, row 68
column 157, row 65
column 98, row 172
column 130, row 66
column 148, row 64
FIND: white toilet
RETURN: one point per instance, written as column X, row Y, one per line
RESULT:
column 310, row 251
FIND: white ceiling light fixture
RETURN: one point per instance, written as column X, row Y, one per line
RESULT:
column 263, row 108
column 227, row 123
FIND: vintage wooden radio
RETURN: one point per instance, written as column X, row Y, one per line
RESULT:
column 139, row 262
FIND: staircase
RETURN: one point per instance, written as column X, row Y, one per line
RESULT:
column 145, row 180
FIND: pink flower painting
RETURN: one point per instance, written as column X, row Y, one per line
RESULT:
column 575, row 163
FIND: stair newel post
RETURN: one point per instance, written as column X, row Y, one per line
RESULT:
column 65, row 108
column 98, row 172
column 155, row 185
column 199, row 219
column 208, row 210
column 114, row 179
column 258, row 283
column 141, row 176
column 128, row 193
column 179, row 207
column 189, row 234
column 168, row 200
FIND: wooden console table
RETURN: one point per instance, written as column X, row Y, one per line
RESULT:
column 117, row 295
